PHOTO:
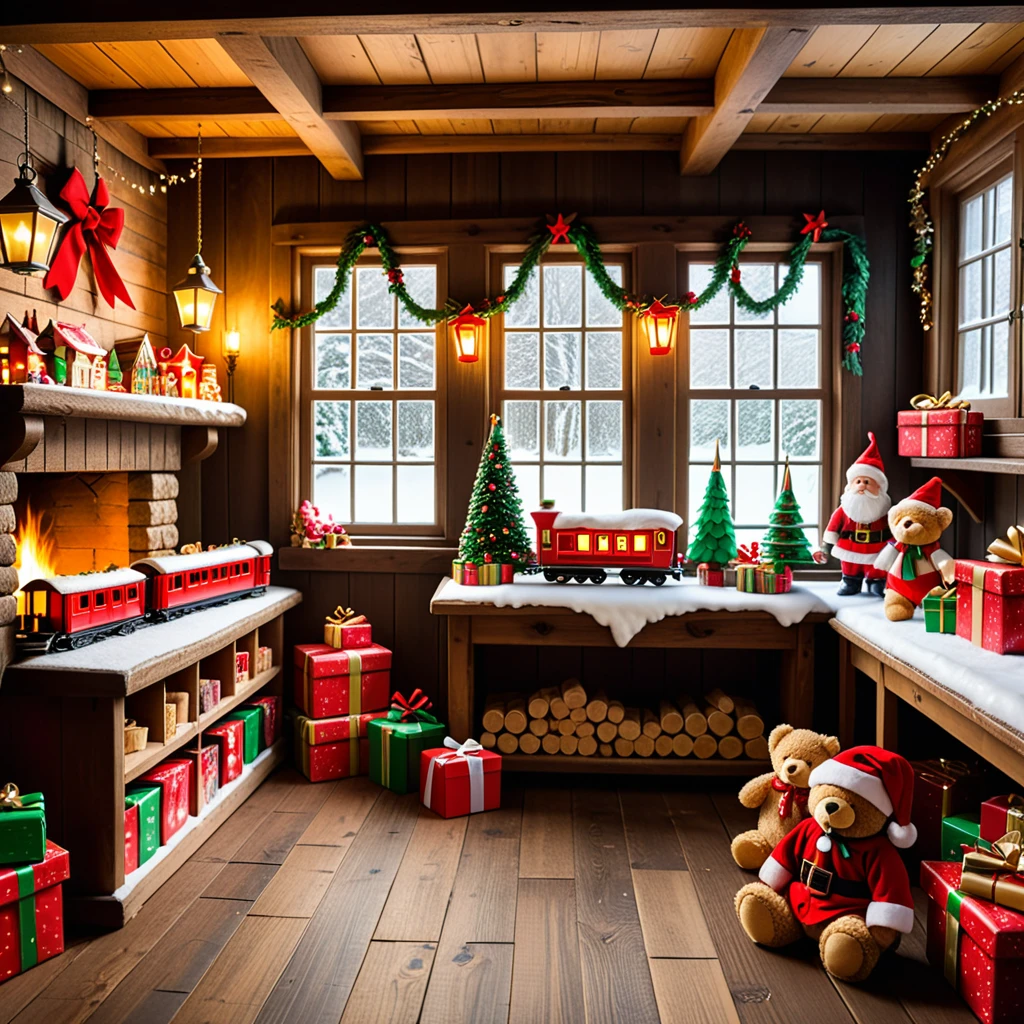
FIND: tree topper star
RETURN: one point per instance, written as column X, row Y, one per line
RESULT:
column 560, row 230
column 815, row 225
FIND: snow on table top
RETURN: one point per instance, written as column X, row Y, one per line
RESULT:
column 994, row 683
column 626, row 610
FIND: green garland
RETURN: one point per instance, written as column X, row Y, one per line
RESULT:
column 726, row 273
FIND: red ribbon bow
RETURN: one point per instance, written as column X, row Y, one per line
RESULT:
column 789, row 794
column 748, row 554
column 95, row 227
column 418, row 701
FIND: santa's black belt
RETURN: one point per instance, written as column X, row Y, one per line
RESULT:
column 822, row 882
column 863, row 536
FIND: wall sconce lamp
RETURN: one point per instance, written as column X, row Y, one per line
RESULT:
column 659, row 324
column 231, row 349
column 468, row 330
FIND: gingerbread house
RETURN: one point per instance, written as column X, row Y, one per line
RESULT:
column 22, row 361
column 74, row 352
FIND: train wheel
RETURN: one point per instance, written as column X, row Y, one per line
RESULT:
column 599, row 577
column 631, row 579
column 550, row 575
column 581, row 578
column 659, row 579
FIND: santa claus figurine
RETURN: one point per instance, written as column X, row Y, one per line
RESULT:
column 858, row 529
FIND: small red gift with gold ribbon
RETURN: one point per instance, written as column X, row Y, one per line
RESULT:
column 990, row 596
column 939, row 427
column 344, row 630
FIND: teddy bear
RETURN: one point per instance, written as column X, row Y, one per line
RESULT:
column 781, row 794
column 914, row 561
column 837, row 877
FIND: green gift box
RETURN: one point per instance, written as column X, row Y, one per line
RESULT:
column 148, row 800
column 940, row 611
column 957, row 829
column 252, row 719
column 22, row 826
column 397, row 740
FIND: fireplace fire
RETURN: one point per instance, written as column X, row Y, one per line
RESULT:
column 36, row 552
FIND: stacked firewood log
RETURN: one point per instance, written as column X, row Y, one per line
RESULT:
column 567, row 720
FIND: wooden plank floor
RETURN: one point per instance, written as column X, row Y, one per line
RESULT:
column 341, row 902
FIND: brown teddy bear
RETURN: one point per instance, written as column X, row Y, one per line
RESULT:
column 914, row 560
column 837, row 877
column 782, row 794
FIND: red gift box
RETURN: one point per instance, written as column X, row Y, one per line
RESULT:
column 32, row 912
column 330, row 682
column 939, row 433
column 977, row 944
column 333, row 748
column 941, row 788
column 229, row 735
column 241, row 666
column 209, row 695
column 271, row 717
column 205, row 768
column 131, row 838
column 176, row 797
column 348, row 638
column 1002, row 814
column 456, row 780
column 990, row 605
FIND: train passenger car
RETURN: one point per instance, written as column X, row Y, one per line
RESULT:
column 640, row 543
column 65, row 612
column 179, row 583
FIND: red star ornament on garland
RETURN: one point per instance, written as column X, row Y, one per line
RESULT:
column 560, row 229
column 814, row 225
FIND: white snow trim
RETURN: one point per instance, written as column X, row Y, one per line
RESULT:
column 774, row 874
column 860, row 557
column 630, row 519
column 912, row 504
column 902, row 836
column 829, row 537
column 836, row 773
column 204, row 559
column 85, row 582
column 886, row 557
column 863, row 469
column 890, row 915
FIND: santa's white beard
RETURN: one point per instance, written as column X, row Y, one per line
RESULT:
column 865, row 508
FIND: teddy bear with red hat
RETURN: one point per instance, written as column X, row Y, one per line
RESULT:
column 837, row 877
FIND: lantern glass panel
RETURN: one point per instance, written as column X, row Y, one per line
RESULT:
column 195, row 307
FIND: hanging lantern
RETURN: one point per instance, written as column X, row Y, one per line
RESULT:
column 196, row 293
column 28, row 222
column 659, row 324
column 468, row 330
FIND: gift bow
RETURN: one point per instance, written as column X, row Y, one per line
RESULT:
column 12, row 799
column 412, row 710
column 995, row 874
column 944, row 401
column 474, row 764
column 748, row 554
column 790, row 794
column 95, row 227
column 1012, row 548
column 345, row 617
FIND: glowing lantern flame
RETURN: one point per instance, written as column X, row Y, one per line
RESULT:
column 36, row 552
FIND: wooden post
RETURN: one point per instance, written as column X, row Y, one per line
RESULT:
column 460, row 678
column 847, row 693
column 796, row 685
column 886, row 705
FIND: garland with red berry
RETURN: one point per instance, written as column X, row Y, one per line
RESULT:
column 726, row 273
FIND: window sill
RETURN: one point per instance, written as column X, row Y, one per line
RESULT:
column 387, row 558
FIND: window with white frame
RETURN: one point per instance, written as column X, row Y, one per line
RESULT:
column 563, row 388
column 758, row 385
column 984, row 291
column 372, row 409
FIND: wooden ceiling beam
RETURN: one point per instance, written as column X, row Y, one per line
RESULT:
column 221, row 148
column 280, row 69
column 219, row 104
column 753, row 62
column 878, row 95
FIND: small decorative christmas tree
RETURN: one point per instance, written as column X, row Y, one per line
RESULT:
column 114, row 372
column 494, row 530
column 785, row 543
column 715, row 540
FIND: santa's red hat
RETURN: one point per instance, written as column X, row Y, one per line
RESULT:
column 928, row 496
column 881, row 777
column 870, row 464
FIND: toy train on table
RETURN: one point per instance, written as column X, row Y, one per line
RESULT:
column 639, row 543
column 67, row 612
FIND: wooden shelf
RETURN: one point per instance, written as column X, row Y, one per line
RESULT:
column 563, row 763
column 980, row 464
column 360, row 557
column 240, row 696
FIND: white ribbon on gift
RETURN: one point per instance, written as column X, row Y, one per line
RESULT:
column 476, row 771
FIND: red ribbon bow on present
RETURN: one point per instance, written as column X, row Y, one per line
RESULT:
column 789, row 794
column 412, row 710
column 95, row 228
column 748, row 554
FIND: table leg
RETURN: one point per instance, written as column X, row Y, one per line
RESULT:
column 796, row 696
column 460, row 677
column 886, row 704
column 847, row 692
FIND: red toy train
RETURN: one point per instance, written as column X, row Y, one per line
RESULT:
column 65, row 612
column 639, row 543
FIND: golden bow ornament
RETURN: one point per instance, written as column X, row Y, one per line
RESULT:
column 345, row 617
column 10, row 797
column 1012, row 548
column 993, row 874
column 944, row 401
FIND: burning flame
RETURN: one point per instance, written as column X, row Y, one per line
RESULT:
column 36, row 552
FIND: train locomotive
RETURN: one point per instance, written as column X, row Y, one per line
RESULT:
column 67, row 612
column 639, row 544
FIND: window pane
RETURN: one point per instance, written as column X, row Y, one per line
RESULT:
column 333, row 361
column 717, row 310
column 1001, row 282
column 755, row 429
column 522, row 360
column 754, row 359
column 323, row 284
column 798, row 359
column 709, row 420
column 600, row 312
column 373, row 494
column 416, row 361
column 562, row 360
column 755, row 494
column 800, row 428
column 565, row 486
column 604, row 431
column 709, row 359
column 1004, row 210
column 805, row 305
column 332, row 492
column 528, row 483
column 971, row 241
column 415, row 430
column 604, row 360
column 970, row 292
column 373, row 432
column 970, row 364
column 522, row 429
column 759, row 280
column 562, row 430
column 1000, row 357
column 375, row 306
column 332, row 430
column 526, row 312
column 563, row 295
column 374, row 361
column 421, row 284
column 604, row 489
column 415, row 494
column 806, row 482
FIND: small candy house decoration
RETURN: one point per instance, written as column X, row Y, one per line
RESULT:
column 22, row 361
column 187, row 368
column 209, row 389
column 145, row 373
column 74, row 351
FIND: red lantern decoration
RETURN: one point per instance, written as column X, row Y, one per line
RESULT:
column 468, row 331
column 660, row 324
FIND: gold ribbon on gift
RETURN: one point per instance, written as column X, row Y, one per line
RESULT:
column 353, row 744
column 355, row 685
column 994, row 874
column 926, row 403
column 345, row 617
column 10, row 797
column 1012, row 548
column 977, row 603
column 951, row 953
column 1015, row 813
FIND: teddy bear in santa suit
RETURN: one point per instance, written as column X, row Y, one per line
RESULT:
column 858, row 529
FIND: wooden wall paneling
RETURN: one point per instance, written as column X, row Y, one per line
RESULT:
column 665, row 191
column 603, row 184
column 556, row 664
column 373, row 595
column 341, row 200
column 842, row 184
column 296, row 188
column 385, row 188
column 792, row 183
column 282, row 399
column 528, row 186
column 476, row 179
column 419, row 637
column 741, row 184
column 428, row 194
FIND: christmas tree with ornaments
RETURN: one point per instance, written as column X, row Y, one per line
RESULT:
column 494, row 531
column 785, row 543
column 715, row 540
